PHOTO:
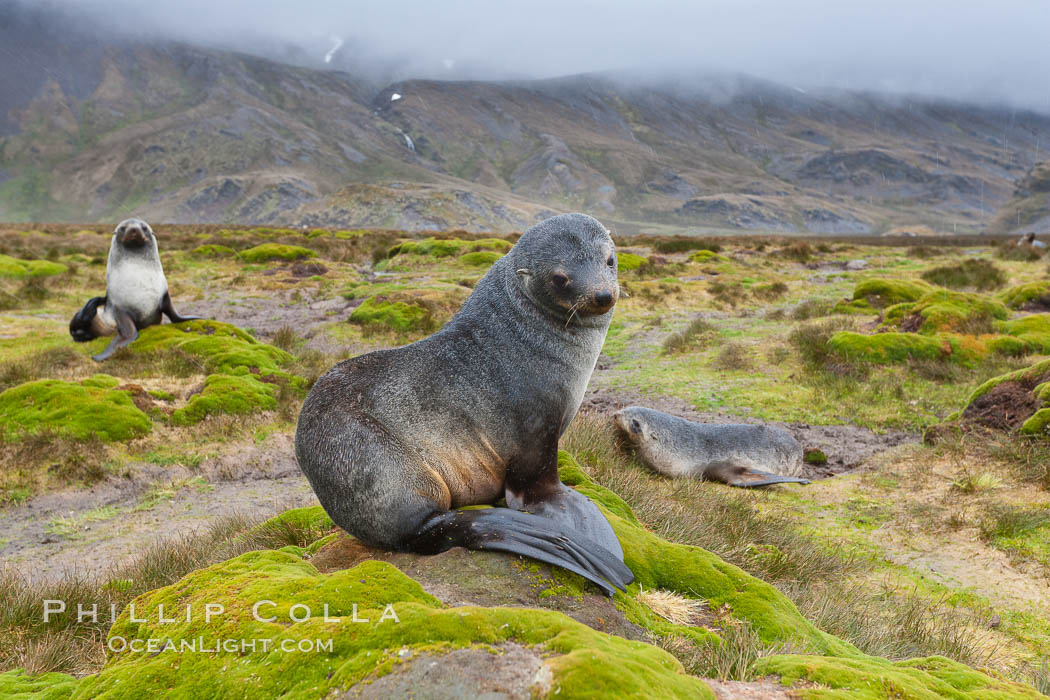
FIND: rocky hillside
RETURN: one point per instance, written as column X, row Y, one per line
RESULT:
column 1028, row 211
column 93, row 129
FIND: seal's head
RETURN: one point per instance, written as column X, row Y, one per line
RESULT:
column 634, row 425
column 134, row 234
column 567, row 265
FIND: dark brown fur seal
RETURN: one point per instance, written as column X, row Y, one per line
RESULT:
column 393, row 440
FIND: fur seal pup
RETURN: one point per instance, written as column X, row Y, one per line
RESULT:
column 393, row 440
column 136, row 291
column 735, row 454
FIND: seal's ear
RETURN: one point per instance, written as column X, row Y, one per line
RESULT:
column 524, row 274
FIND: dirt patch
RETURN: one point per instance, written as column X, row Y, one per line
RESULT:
column 1006, row 406
column 847, row 447
column 1038, row 305
column 508, row 670
column 751, row 690
column 911, row 324
column 265, row 315
column 90, row 531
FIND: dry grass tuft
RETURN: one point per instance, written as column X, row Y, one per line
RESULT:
column 671, row 606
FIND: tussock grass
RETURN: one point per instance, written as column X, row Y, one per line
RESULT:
column 771, row 291
column 972, row 273
column 671, row 606
column 733, row 356
column 697, row 335
column 683, row 245
column 45, row 364
column 730, row 294
column 66, row 645
column 799, row 251
column 732, row 658
column 1027, row 457
column 811, row 308
column 810, row 340
column 1013, row 521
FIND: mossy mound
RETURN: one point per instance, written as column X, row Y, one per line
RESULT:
column 1023, row 394
column 358, row 624
column 13, row 268
column 399, row 316
column 275, row 251
column 481, row 258
column 1035, row 294
column 447, row 247
column 946, row 311
column 887, row 348
column 221, row 347
column 1032, row 331
column 625, row 262
column 213, row 251
column 227, row 394
column 869, row 678
column 71, row 410
column 880, row 292
column 707, row 256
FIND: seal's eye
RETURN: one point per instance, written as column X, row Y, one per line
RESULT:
column 611, row 262
column 560, row 280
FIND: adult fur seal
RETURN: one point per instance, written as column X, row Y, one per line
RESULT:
column 136, row 291
column 392, row 440
column 738, row 455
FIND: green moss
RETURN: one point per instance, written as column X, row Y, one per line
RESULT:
column 1033, row 331
column 275, row 251
column 1038, row 424
column 945, row 310
column 707, row 256
column 887, row 348
column 625, row 262
column 161, row 395
column 1007, row 345
column 815, row 456
column 879, row 292
column 71, row 410
column 481, row 258
column 16, row 685
column 102, row 381
column 20, row 269
column 213, row 251
column 397, row 315
column 447, row 247
column 230, row 394
column 918, row 679
column 582, row 661
column 1018, row 297
column 222, row 348
column 1029, row 375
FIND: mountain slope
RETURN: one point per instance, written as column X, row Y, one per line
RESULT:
column 185, row 134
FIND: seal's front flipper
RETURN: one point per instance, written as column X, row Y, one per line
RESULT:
column 506, row 530
column 745, row 477
column 169, row 310
column 575, row 512
column 126, row 334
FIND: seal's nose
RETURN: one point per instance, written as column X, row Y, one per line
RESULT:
column 603, row 298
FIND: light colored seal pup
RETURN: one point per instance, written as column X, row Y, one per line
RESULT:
column 136, row 291
column 735, row 454
column 393, row 440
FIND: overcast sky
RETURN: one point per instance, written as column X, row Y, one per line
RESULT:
column 992, row 50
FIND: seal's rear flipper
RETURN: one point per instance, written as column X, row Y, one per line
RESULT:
column 126, row 334
column 80, row 326
column 169, row 310
column 506, row 530
column 745, row 477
